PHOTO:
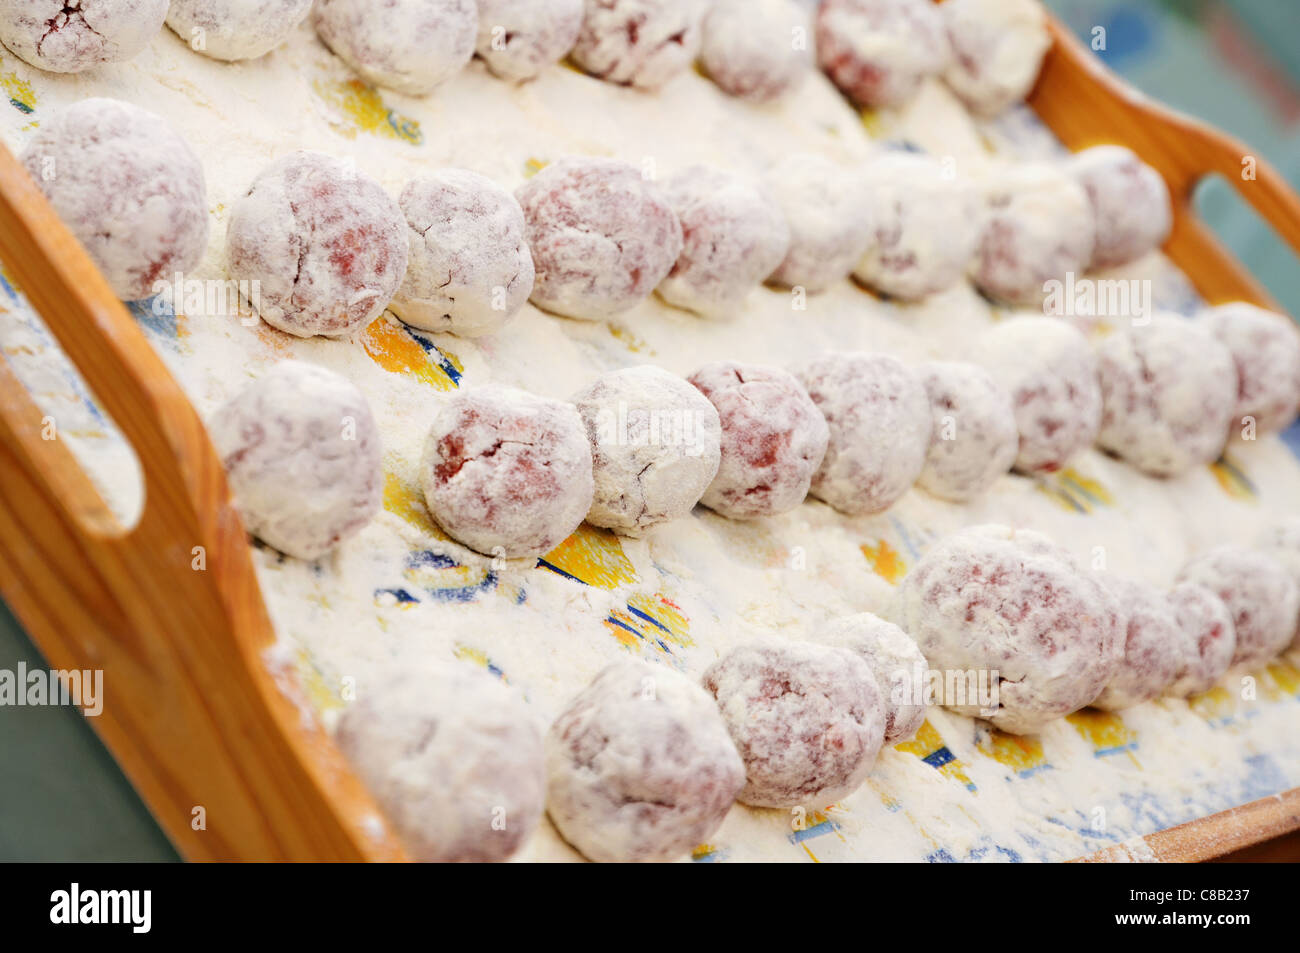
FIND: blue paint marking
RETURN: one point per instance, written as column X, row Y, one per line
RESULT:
column 439, row 358
column 1117, row 749
column 939, row 757
column 905, row 536
column 560, row 572
column 157, row 316
column 817, row 830
column 1036, row 769
column 649, row 618
column 20, row 106
column 940, row 856
column 623, row 625
column 426, row 559
column 401, row 595
column 1291, row 437
column 1075, row 485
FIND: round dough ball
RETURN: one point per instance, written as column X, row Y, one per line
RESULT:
column 750, row 48
column 470, row 270
column 807, row 719
column 303, row 457
column 1130, row 203
column 640, row 766
column 773, row 439
column 878, row 51
column 1038, row 227
column 734, row 237
column 325, row 243
column 1168, row 390
column 127, row 186
column 897, row 663
column 235, row 29
column 641, row 43
column 1051, row 373
column 454, row 759
column 828, row 210
column 518, row 39
column 974, row 439
column 1282, row 542
column 69, row 36
column 1266, row 348
column 602, row 236
column 998, row 48
column 1012, row 604
column 655, row 447
column 1155, row 645
column 408, row 45
column 1259, row 592
column 507, row 473
column 927, row 227
column 1210, row 639
column 879, row 420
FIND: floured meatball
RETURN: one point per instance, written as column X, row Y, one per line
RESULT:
column 470, row 268
column 1209, row 638
column 641, row 43
column 1168, row 390
column 973, row 439
column 303, row 456
column 1130, row 203
column 454, row 759
column 640, row 766
column 1014, row 606
column 807, row 719
column 1266, row 348
column 602, row 236
column 69, row 36
column 1038, row 227
column 752, row 49
column 507, row 473
column 879, row 419
column 655, row 446
column 878, row 51
column 1051, row 374
column 235, row 29
column 828, row 210
column 998, row 48
column 897, row 663
column 1155, row 645
column 1258, row 591
column 128, row 187
column 518, row 39
column 324, row 242
column 734, row 237
column 408, row 45
column 773, row 439
column 1282, row 542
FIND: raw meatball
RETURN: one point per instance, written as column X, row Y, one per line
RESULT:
column 1209, row 642
column 807, row 719
column 735, row 236
column 897, row 663
column 602, row 236
column 1038, row 227
column 407, row 45
column 1155, row 645
column 773, row 439
column 879, row 420
column 752, row 49
column 1130, row 203
column 325, row 243
column 507, row 473
column 235, row 29
column 640, row 766
column 1168, row 390
column 1266, row 348
column 1051, row 373
column 1011, row 601
column 828, row 211
column 641, row 43
column 974, row 439
column 454, row 759
column 655, row 447
column 878, row 51
column 998, row 48
column 1282, row 541
column 303, row 458
column 68, row 36
column 518, row 39
column 128, row 187
column 1258, row 591
column 470, row 269
column 927, row 226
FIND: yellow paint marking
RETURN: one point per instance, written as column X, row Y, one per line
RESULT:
column 595, row 556
column 1104, row 730
column 1020, row 753
column 885, row 560
column 364, row 107
column 406, row 501
column 392, row 348
column 927, row 742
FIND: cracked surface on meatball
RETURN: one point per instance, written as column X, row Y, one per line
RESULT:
column 69, row 36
